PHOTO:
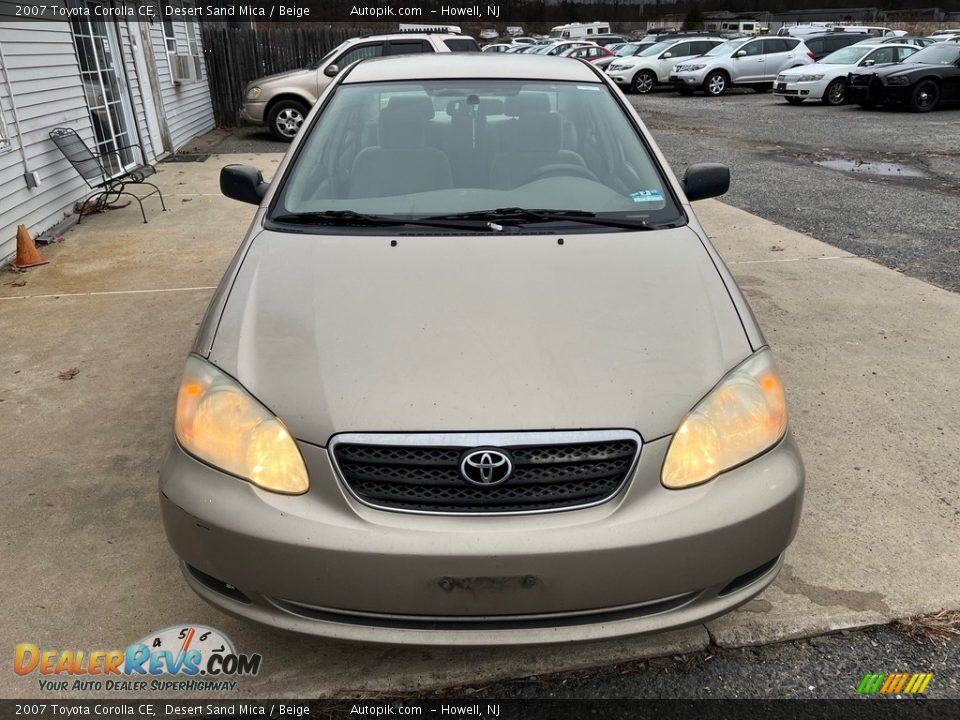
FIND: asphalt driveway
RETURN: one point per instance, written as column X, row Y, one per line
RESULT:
column 93, row 345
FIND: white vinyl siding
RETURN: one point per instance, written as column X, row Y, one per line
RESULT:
column 187, row 106
column 40, row 86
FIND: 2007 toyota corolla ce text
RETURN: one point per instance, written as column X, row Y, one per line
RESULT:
column 476, row 376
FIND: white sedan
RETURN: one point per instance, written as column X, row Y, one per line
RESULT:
column 826, row 80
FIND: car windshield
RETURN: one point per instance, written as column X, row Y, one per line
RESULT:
column 628, row 49
column 846, row 56
column 441, row 147
column 654, row 49
column 727, row 48
column 935, row 55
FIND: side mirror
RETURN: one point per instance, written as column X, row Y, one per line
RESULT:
column 740, row 53
column 331, row 70
column 667, row 54
column 868, row 63
column 706, row 180
column 244, row 183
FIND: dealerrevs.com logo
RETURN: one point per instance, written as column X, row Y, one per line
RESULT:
column 180, row 658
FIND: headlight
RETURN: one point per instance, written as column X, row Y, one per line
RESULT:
column 745, row 414
column 218, row 421
column 690, row 68
column 811, row 78
column 898, row 80
column 253, row 93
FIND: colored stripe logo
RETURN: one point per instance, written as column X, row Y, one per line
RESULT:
column 894, row 683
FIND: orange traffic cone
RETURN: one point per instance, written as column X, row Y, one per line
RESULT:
column 27, row 255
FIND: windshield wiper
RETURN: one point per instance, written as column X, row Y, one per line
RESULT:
column 350, row 217
column 334, row 217
column 527, row 215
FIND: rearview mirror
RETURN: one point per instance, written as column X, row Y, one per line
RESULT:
column 706, row 180
column 331, row 70
column 244, row 183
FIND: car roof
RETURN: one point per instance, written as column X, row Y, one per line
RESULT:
column 431, row 66
column 404, row 36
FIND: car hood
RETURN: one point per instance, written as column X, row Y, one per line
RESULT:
column 898, row 68
column 284, row 76
column 496, row 332
column 817, row 67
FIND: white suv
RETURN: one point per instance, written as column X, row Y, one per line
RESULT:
column 651, row 66
column 752, row 62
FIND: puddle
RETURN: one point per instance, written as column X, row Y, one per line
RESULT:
column 871, row 168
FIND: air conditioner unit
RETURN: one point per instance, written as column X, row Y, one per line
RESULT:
column 185, row 68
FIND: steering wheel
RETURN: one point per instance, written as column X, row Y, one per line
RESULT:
column 562, row 169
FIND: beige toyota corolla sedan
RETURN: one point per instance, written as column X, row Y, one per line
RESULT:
column 477, row 376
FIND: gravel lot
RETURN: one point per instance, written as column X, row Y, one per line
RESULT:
column 819, row 668
column 908, row 223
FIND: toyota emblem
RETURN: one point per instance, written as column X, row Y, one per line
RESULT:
column 486, row 467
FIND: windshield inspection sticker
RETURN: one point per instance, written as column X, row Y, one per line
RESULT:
column 643, row 196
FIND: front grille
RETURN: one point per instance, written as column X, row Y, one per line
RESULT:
column 421, row 473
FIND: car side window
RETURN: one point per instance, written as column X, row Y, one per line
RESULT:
column 359, row 52
column 681, row 50
column 904, row 53
column 789, row 43
column 816, row 45
column 774, row 45
column 883, row 55
column 409, row 47
column 754, row 48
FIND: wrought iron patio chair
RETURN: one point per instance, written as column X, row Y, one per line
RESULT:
column 108, row 185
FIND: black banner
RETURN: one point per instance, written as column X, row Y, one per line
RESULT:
column 483, row 709
column 452, row 12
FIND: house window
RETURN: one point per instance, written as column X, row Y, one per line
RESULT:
column 184, row 67
column 170, row 36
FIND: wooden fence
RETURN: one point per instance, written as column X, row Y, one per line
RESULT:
column 235, row 56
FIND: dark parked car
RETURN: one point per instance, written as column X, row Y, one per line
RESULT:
column 823, row 45
column 925, row 80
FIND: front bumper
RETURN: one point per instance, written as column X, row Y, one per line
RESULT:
column 877, row 92
column 794, row 88
column 621, row 77
column 253, row 112
column 648, row 560
column 688, row 79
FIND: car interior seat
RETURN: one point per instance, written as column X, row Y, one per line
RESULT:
column 402, row 163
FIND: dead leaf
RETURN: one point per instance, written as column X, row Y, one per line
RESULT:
column 69, row 374
column 776, row 248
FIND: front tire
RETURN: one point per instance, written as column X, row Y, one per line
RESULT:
column 286, row 118
column 925, row 96
column 716, row 83
column 643, row 82
column 836, row 93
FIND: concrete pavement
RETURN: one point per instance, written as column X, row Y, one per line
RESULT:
column 870, row 359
